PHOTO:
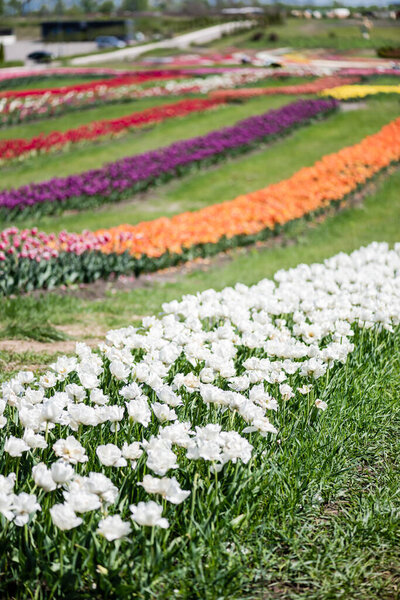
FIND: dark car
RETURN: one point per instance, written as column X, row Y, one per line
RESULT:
column 40, row 56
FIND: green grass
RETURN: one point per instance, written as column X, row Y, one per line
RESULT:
column 303, row 34
column 11, row 362
column 47, row 82
column 30, row 321
column 113, row 111
column 78, row 118
column 237, row 176
column 92, row 156
column 384, row 80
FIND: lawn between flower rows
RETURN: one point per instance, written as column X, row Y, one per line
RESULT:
column 198, row 424
column 20, row 148
column 88, row 313
column 40, row 106
column 79, row 158
column 131, row 175
column 31, row 259
column 13, row 148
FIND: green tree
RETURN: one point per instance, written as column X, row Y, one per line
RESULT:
column 88, row 6
column 59, row 7
column 134, row 5
column 107, row 7
column 19, row 6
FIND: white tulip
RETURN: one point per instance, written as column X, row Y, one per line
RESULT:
column 64, row 517
column 113, row 528
column 70, row 450
column 61, row 472
column 15, row 446
column 42, row 477
column 24, row 505
column 110, row 456
column 148, row 513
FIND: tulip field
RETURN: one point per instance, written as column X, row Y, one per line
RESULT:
column 200, row 333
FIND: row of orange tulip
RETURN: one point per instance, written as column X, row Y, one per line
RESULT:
column 313, row 188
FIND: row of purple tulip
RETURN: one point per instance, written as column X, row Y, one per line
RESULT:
column 123, row 178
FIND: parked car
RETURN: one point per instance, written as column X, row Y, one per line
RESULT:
column 41, row 56
column 109, row 41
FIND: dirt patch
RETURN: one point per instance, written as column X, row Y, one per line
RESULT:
column 67, row 346
column 78, row 331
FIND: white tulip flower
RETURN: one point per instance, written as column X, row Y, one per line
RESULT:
column 113, row 528
column 64, row 517
column 148, row 514
column 15, row 446
column 110, row 456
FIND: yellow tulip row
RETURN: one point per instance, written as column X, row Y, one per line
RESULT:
column 348, row 92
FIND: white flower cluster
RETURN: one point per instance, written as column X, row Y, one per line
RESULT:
column 229, row 79
column 188, row 386
column 17, row 508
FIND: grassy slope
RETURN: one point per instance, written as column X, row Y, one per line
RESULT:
column 238, row 176
column 301, row 33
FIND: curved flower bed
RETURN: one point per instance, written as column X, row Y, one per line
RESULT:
column 18, row 110
column 31, row 260
column 21, row 74
column 174, row 420
column 369, row 71
column 312, row 87
column 354, row 92
column 132, row 77
column 28, row 75
column 125, row 177
column 56, row 140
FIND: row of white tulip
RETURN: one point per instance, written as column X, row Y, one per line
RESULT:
column 199, row 383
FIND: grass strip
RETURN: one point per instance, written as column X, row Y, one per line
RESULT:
column 119, row 180
column 19, row 148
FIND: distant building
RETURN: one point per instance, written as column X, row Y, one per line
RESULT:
column 81, row 30
column 338, row 13
column 7, row 36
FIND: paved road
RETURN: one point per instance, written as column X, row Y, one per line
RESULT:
column 202, row 36
column 22, row 48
